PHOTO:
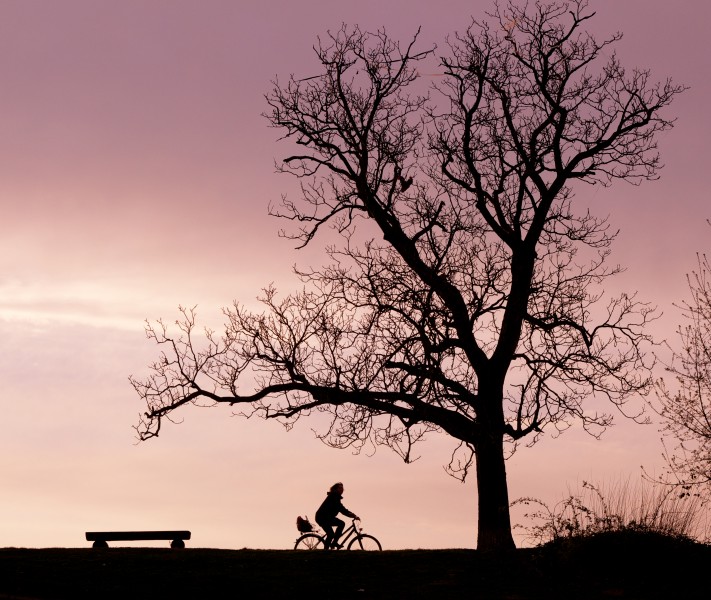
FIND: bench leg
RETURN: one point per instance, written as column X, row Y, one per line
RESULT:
column 177, row 544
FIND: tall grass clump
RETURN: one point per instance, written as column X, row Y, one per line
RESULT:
column 619, row 506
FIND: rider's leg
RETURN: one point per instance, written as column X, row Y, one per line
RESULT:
column 328, row 528
column 339, row 530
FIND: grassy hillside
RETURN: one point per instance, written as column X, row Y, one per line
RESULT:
column 604, row 566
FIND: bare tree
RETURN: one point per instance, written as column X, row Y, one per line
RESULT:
column 686, row 412
column 466, row 296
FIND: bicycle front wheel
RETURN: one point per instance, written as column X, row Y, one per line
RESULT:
column 365, row 542
column 309, row 541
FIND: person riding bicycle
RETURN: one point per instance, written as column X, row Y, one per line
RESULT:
column 327, row 515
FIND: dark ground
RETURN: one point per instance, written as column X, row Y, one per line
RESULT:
column 613, row 566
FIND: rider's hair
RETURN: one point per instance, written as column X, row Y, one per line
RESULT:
column 334, row 486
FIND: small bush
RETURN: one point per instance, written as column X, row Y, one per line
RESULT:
column 595, row 509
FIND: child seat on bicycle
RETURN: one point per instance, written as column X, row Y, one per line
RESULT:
column 303, row 524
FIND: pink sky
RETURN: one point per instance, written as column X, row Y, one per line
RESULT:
column 135, row 174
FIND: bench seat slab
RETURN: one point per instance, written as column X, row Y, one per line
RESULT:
column 122, row 536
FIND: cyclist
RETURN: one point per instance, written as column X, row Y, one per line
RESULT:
column 327, row 515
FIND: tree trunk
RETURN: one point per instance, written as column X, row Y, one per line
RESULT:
column 494, row 517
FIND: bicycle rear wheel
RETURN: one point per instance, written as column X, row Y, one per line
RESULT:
column 309, row 541
column 364, row 542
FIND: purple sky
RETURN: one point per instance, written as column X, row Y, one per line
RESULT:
column 135, row 175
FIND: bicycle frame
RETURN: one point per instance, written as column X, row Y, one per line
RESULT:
column 347, row 534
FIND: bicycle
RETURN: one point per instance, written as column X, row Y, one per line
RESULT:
column 353, row 536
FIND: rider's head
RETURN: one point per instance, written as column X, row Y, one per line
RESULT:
column 337, row 488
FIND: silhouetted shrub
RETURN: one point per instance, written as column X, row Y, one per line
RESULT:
column 594, row 509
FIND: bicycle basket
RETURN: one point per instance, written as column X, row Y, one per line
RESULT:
column 303, row 525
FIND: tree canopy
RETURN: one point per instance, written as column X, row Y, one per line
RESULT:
column 466, row 295
column 686, row 408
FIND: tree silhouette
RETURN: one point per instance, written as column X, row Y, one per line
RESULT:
column 466, row 295
column 686, row 412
